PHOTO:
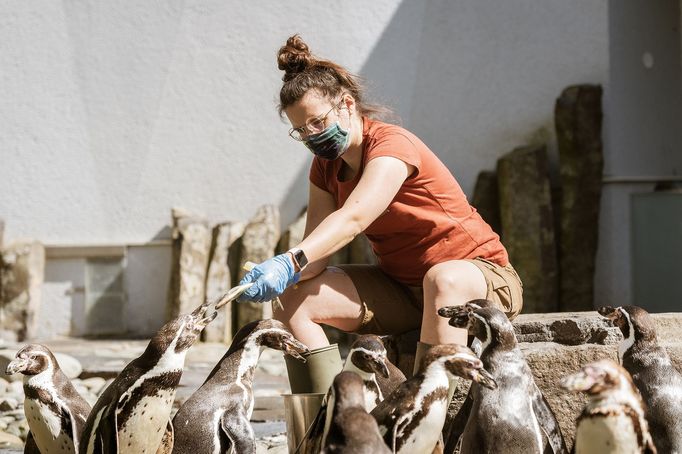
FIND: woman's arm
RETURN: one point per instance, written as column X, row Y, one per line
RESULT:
column 380, row 182
column 320, row 205
column 377, row 187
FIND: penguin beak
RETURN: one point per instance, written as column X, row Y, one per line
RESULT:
column 204, row 314
column 17, row 365
column 448, row 311
column 296, row 349
column 580, row 381
column 608, row 312
column 206, row 320
column 379, row 366
column 459, row 315
column 483, row 377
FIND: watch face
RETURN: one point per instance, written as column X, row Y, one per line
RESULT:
column 301, row 258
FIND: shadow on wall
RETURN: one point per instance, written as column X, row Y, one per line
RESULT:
column 477, row 78
column 472, row 87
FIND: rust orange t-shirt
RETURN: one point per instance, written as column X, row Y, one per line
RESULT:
column 428, row 222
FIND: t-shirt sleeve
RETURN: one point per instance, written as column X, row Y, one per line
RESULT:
column 316, row 175
column 397, row 145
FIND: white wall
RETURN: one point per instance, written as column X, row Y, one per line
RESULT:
column 114, row 112
column 486, row 73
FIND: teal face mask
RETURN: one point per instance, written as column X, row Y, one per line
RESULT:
column 329, row 144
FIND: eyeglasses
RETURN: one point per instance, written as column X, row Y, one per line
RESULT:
column 313, row 126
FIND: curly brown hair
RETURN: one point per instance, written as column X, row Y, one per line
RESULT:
column 304, row 71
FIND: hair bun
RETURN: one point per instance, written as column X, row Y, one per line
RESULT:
column 294, row 57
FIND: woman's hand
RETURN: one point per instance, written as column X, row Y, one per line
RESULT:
column 270, row 279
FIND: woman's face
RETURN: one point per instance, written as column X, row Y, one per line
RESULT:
column 313, row 107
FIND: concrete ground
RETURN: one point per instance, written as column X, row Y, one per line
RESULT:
column 106, row 358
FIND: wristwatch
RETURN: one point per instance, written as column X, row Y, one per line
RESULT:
column 300, row 260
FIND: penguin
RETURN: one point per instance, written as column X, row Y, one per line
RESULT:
column 613, row 420
column 352, row 429
column 133, row 413
column 55, row 412
column 367, row 358
column 514, row 416
column 412, row 417
column 659, row 383
column 216, row 417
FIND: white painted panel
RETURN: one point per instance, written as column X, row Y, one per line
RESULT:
column 147, row 279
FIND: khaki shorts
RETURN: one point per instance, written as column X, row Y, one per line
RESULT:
column 391, row 307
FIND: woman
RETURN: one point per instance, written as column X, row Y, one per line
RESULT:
column 433, row 248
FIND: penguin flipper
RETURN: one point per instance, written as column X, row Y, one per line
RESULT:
column 240, row 433
column 548, row 423
column 107, row 430
column 31, row 447
column 166, row 446
column 75, row 432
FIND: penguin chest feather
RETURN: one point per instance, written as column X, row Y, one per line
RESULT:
column 606, row 435
column 423, row 438
column 142, row 429
column 47, row 428
column 372, row 395
column 419, row 428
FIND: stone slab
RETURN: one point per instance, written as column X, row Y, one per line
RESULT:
column 578, row 121
column 191, row 243
column 486, row 199
column 219, row 279
column 257, row 245
column 22, row 273
column 528, row 225
column 293, row 235
column 573, row 328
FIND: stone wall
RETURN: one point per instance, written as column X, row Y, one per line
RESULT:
column 550, row 225
column 22, row 267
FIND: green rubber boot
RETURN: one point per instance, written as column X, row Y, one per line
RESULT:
column 317, row 373
column 309, row 381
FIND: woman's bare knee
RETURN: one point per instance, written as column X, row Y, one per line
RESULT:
column 454, row 282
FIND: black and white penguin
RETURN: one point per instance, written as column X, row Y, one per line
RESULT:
column 514, row 417
column 411, row 418
column 133, row 413
column 55, row 412
column 613, row 421
column 216, row 417
column 367, row 358
column 659, row 383
column 352, row 429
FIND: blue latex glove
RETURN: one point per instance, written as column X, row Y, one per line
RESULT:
column 270, row 279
